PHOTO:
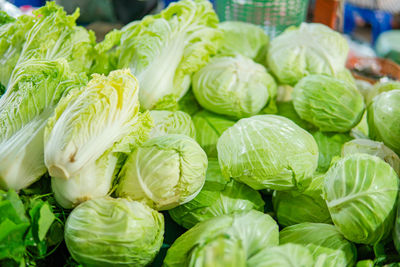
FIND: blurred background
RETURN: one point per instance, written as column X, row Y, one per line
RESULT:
column 372, row 27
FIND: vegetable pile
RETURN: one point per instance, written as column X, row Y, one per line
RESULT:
column 182, row 141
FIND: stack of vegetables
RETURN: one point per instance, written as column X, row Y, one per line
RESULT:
column 256, row 152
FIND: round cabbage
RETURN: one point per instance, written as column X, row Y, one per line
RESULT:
column 331, row 104
column 172, row 122
column 325, row 242
column 114, row 232
column 304, row 50
column 219, row 196
column 233, row 86
column 361, row 192
column 383, row 119
column 164, row 172
column 372, row 148
column 268, row 152
column 226, row 240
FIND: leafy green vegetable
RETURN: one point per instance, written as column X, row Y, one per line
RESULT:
column 293, row 207
column 288, row 255
column 383, row 117
column 34, row 90
column 209, row 127
column 325, row 242
column 233, row 86
column 329, row 146
column 268, row 152
column 286, row 109
column 381, row 87
column 226, row 240
column 164, row 50
column 331, row 104
column 243, row 38
column 361, row 192
column 117, row 232
column 372, row 148
column 218, row 196
column 171, row 122
column 164, row 172
column 90, row 128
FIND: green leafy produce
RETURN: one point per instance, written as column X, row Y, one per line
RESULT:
column 329, row 146
column 49, row 35
column 325, row 242
column 30, row 228
column 372, row 148
column 234, row 86
column 304, row 50
column 293, row 207
column 172, row 122
column 114, row 232
column 361, row 192
column 243, row 38
column 383, row 118
column 164, row 50
column 286, row 109
column 289, row 255
column 90, row 128
column 268, row 152
column 219, row 196
column 31, row 97
column 381, row 87
column 209, row 127
column 331, row 104
column 164, row 172
column 226, row 240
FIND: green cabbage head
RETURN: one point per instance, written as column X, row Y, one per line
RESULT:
column 374, row 148
column 209, row 127
column 268, row 152
column 233, row 86
column 304, row 50
column 219, row 196
column 289, row 255
column 226, row 240
column 331, row 104
column 114, row 232
column 383, row 119
column 361, row 193
column 172, row 122
column 325, row 242
column 164, row 172
column 381, row 87
column 243, row 38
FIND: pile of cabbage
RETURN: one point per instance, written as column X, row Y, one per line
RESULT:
column 182, row 141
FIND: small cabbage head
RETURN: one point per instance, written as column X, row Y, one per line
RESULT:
column 383, row 119
column 233, row 86
column 325, row 242
column 293, row 207
column 329, row 146
column 381, row 87
column 243, row 38
column 304, row 50
column 226, row 240
column 164, row 172
column 268, row 152
column 374, row 148
column 288, row 255
column 209, row 127
column 218, row 196
column 361, row 192
column 114, row 232
column 172, row 122
column 331, row 104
